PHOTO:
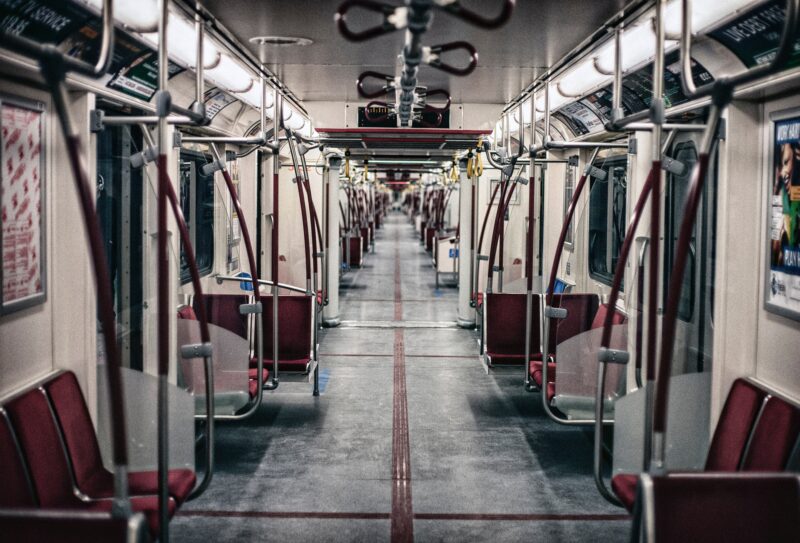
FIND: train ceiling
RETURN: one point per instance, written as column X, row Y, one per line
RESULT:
column 538, row 35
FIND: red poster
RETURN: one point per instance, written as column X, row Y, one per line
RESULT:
column 21, row 205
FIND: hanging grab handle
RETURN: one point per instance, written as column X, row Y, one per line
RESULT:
column 432, row 57
column 455, row 8
column 438, row 92
column 391, row 19
column 387, row 80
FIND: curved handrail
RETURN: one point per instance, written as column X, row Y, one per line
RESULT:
column 455, row 8
column 438, row 92
column 251, row 260
column 54, row 66
column 497, row 231
column 385, row 27
column 298, row 179
column 202, row 318
column 573, row 204
column 480, row 242
column 608, row 323
column 433, row 58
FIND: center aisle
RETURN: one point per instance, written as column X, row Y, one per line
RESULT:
column 410, row 439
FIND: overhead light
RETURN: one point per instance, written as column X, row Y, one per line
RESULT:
column 182, row 43
column 140, row 16
column 556, row 100
column 294, row 122
column 230, row 75
column 580, row 78
column 638, row 45
column 253, row 96
column 705, row 13
column 281, row 41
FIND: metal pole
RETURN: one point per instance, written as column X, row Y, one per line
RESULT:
column 162, row 110
column 276, row 166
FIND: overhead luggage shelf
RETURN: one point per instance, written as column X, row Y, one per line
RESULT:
column 394, row 142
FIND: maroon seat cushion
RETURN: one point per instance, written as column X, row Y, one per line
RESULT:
column 774, row 437
column 295, row 326
column 253, row 380
column 624, row 486
column 91, row 476
column 223, row 311
column 536, row 371
column 734, row 426
column 581, row 311
column 600, row 317
column 187, row 313
column 730, row 509
column 16, row 491
column 505, row 327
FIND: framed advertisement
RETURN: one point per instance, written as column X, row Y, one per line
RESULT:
column 22, row 220
column 782, row 277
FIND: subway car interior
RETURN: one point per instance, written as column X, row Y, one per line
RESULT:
column 400, row 270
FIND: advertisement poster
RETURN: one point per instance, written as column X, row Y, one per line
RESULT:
column 21, row 201
column 783, row 288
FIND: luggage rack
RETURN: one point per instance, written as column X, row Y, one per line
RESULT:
column 391, row 143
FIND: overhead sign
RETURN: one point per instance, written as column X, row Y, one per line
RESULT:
column 429, row 119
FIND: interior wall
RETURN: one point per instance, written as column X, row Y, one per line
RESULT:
column 47, row 336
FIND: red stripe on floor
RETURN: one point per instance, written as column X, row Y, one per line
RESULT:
column 402, row 510
column 284, row 514
column 518, row 517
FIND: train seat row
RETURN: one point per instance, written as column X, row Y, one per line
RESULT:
column 756, row 432
column 51, row 457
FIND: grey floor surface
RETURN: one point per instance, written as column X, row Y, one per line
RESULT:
column 486, row 463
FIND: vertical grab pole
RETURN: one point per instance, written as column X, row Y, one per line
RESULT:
column 657, row 118
column 529, row 241
column 163, row 105
column 277, row 122
column 53, row 68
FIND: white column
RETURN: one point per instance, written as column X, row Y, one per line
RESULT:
column 330, row 313
column 466, row 314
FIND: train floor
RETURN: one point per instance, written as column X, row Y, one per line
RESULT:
column 409, row 439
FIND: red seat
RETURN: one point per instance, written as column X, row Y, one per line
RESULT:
column 223, row 311
column 90, row 475
column 294, row 345
column 253, row 380
column 16, row 490
column 773, row 438
column 751, row 435
column 35, row 428
column 624, row 486
column 70, row 527
column 536, row 371
column 505, row 328
column 738, row 415
column 732, row 508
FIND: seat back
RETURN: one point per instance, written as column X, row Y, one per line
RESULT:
column 735, row 424
column 581, row 310
column 600, row 317
column 17, row 490
column 295, row 316
column 505, row 323
column 223, row 311
column 186, row 312
column 774, row 437
column 76, row 427
column 41, row 446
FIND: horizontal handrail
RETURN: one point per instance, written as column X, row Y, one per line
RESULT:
column 221, row 278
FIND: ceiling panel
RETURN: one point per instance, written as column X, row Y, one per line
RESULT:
column 539, row 34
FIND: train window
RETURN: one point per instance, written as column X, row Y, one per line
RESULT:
column 696, row 309
column 677, row 189
column 607, row 213
column 120, row 191
column 197, row 204
column 569, row 188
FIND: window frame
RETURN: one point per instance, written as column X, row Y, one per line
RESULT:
column 608, row 163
